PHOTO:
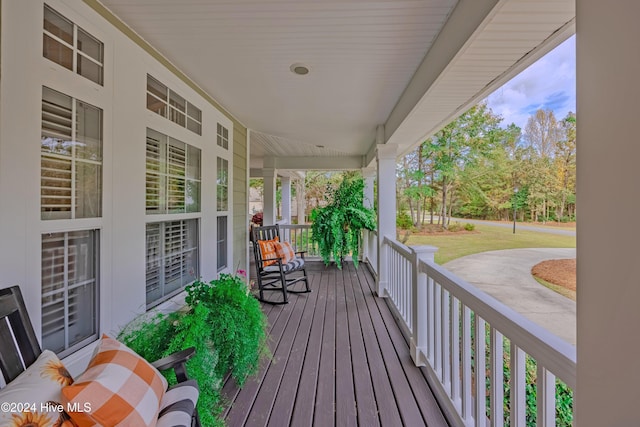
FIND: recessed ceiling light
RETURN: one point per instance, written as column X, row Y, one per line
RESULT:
column 299, row 69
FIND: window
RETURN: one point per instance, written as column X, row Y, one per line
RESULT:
column 66, row 44
column 194, row 119
column 172, row 258
column 167, row 103
column 173, row 175
column 69, row 290
column 71, row 158
column 223, row 137
column 222, row 242
column 223, row 184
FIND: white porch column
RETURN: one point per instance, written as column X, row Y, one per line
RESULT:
column 608, row 90
column 369, row 175
column 285, row 182
column 386, row 158
column 269, row 182
column 301, row 200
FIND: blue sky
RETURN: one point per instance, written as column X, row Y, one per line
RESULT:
column 550, row 84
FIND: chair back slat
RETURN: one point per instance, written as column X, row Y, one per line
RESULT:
column 20, row 346
column 268, row 232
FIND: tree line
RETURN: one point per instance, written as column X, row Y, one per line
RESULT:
column 475, row 168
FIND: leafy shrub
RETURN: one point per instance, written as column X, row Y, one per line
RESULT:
column 403, row 220
column 469, row 227
column 224, row 324
column 455, row 227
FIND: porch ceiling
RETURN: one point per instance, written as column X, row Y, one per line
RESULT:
column 410, row 65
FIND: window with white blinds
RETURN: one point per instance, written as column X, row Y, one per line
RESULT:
column 71, row 158
column 173, row 175
column 69, row 290
column 223, row 136
column 221, row 242
column 223, row 184
column 167, row 103
column 70, row 46
column 172, row 258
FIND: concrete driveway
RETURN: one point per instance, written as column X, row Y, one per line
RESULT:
column 506, row 275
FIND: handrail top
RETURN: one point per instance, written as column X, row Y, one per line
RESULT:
column 400, row 247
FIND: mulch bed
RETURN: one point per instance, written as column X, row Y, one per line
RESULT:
column 561, row 272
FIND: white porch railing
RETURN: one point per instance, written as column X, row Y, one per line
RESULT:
column 442, row 314
column 300, row 238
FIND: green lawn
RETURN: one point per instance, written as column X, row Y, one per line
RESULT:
column 487, row 238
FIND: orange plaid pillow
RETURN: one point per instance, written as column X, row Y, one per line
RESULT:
column 285, row 252
column 268, row 250
column 120, row 388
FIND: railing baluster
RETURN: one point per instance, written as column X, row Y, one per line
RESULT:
column 517, row 399
column 438, row 331
column 446, row 341
column 455, row 351
column 546, row 397
column 467, row 400
column 432, row 320
column 481, row 372
column 497, row 379
column 406, row 310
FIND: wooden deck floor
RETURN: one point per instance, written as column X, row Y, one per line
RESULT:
column 338, row 359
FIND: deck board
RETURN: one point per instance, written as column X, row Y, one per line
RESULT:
column 305, row 400
column 346, row 403
column 324, row 412
column 367, row 406
column 339, row 358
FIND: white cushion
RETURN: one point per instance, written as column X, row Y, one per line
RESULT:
column 178, row 404
column 29, row 393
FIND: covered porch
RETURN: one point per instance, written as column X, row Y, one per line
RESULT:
column 300, row 85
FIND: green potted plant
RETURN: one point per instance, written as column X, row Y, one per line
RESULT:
column 337, row 227
column 226, row 326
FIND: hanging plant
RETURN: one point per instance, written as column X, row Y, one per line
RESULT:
column 337, row 227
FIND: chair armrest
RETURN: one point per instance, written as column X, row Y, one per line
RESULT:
column 176, row 361
column 301, row 253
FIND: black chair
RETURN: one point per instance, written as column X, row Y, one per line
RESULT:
column 20, row 347
column 277, row 276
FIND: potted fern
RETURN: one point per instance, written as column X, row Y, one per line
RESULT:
column 337, row 227
column 226, row 326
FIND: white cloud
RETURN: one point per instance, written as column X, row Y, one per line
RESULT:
column 550, row 83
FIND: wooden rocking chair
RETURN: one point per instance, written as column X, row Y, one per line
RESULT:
column 272, row 273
